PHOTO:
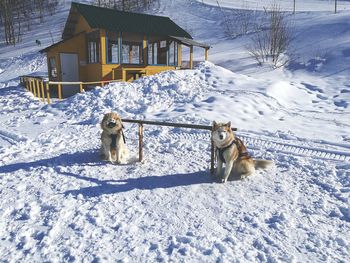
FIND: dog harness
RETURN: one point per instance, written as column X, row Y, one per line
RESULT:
column 114, row 140
column 238, row 143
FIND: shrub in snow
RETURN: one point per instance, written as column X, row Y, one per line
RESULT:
column 270, row 41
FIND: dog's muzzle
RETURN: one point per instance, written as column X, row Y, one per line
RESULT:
column 111, row 123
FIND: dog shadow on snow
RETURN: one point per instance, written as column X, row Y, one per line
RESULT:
column 145, row 182
column 87, row 158
column 103, row 187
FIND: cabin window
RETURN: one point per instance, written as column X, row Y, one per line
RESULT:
column 132, row 46
column 112, row 48
column 52, row 68
column 162, row 51
column 172, row 58
column 93, row 46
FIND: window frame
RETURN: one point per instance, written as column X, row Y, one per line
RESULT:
column 96, row 50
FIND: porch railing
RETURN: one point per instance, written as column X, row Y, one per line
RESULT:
column 40, row 87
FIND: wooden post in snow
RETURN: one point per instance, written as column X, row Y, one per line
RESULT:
column 294, row 7
column 212, row 153
column 206, row 54
column 335, row 6
column 140, row 142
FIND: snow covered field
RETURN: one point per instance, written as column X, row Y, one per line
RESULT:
column 60, row 203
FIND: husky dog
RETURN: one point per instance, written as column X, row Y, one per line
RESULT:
column 231, row 150
column 113, row 146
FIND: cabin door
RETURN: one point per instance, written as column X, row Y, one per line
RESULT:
column 70, row 73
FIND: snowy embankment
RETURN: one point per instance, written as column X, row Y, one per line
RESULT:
column 60, row 202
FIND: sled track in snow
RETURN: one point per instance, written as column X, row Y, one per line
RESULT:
column 342, row 154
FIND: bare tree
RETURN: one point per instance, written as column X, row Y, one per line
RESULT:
column 124, row 5
column 15, row 14
column 238, row 22
column 271, row 41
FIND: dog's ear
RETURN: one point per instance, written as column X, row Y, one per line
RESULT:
column 215, row 125
column 104, row 119
column 228, row 124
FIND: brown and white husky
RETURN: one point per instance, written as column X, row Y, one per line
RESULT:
column 113, row 146
column 231, row 151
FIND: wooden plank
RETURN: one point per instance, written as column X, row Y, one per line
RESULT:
column 34, row 87
column 60, row 91
column 81, row 88
column 42, row 90
column 48, row 93
column 38, row 88
column 65, row 82
column 172, row 124
column 206, row 54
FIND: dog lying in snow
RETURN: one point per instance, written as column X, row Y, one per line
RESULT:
column 231, row 150
column 113, row 146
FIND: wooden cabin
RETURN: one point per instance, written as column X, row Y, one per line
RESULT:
column 106, row 44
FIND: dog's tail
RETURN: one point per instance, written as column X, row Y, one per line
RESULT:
column 263, row 164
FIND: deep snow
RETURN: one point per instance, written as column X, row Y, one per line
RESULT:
column 61, row 203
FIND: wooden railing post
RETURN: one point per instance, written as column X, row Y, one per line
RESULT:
column 30, row 85
column 42, row 90
column 38, row 88
column 34, row 87
column 60, row 91
column 81, row 87
column 140, row 142
column 123, row 74
column 48, row 93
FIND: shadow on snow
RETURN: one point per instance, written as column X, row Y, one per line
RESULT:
column 104, row 187
column 89, row 157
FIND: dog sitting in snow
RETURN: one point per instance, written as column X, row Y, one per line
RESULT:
column 113, row 146
column 231, row 151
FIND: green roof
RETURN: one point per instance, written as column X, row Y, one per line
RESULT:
column 120, row 21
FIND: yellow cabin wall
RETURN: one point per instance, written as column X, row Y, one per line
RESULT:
column 87, row 72
column 74, row 45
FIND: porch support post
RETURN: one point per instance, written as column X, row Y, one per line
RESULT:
column 179, row 54
column 191, row 57
column 144, row 49
column 206, row 53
